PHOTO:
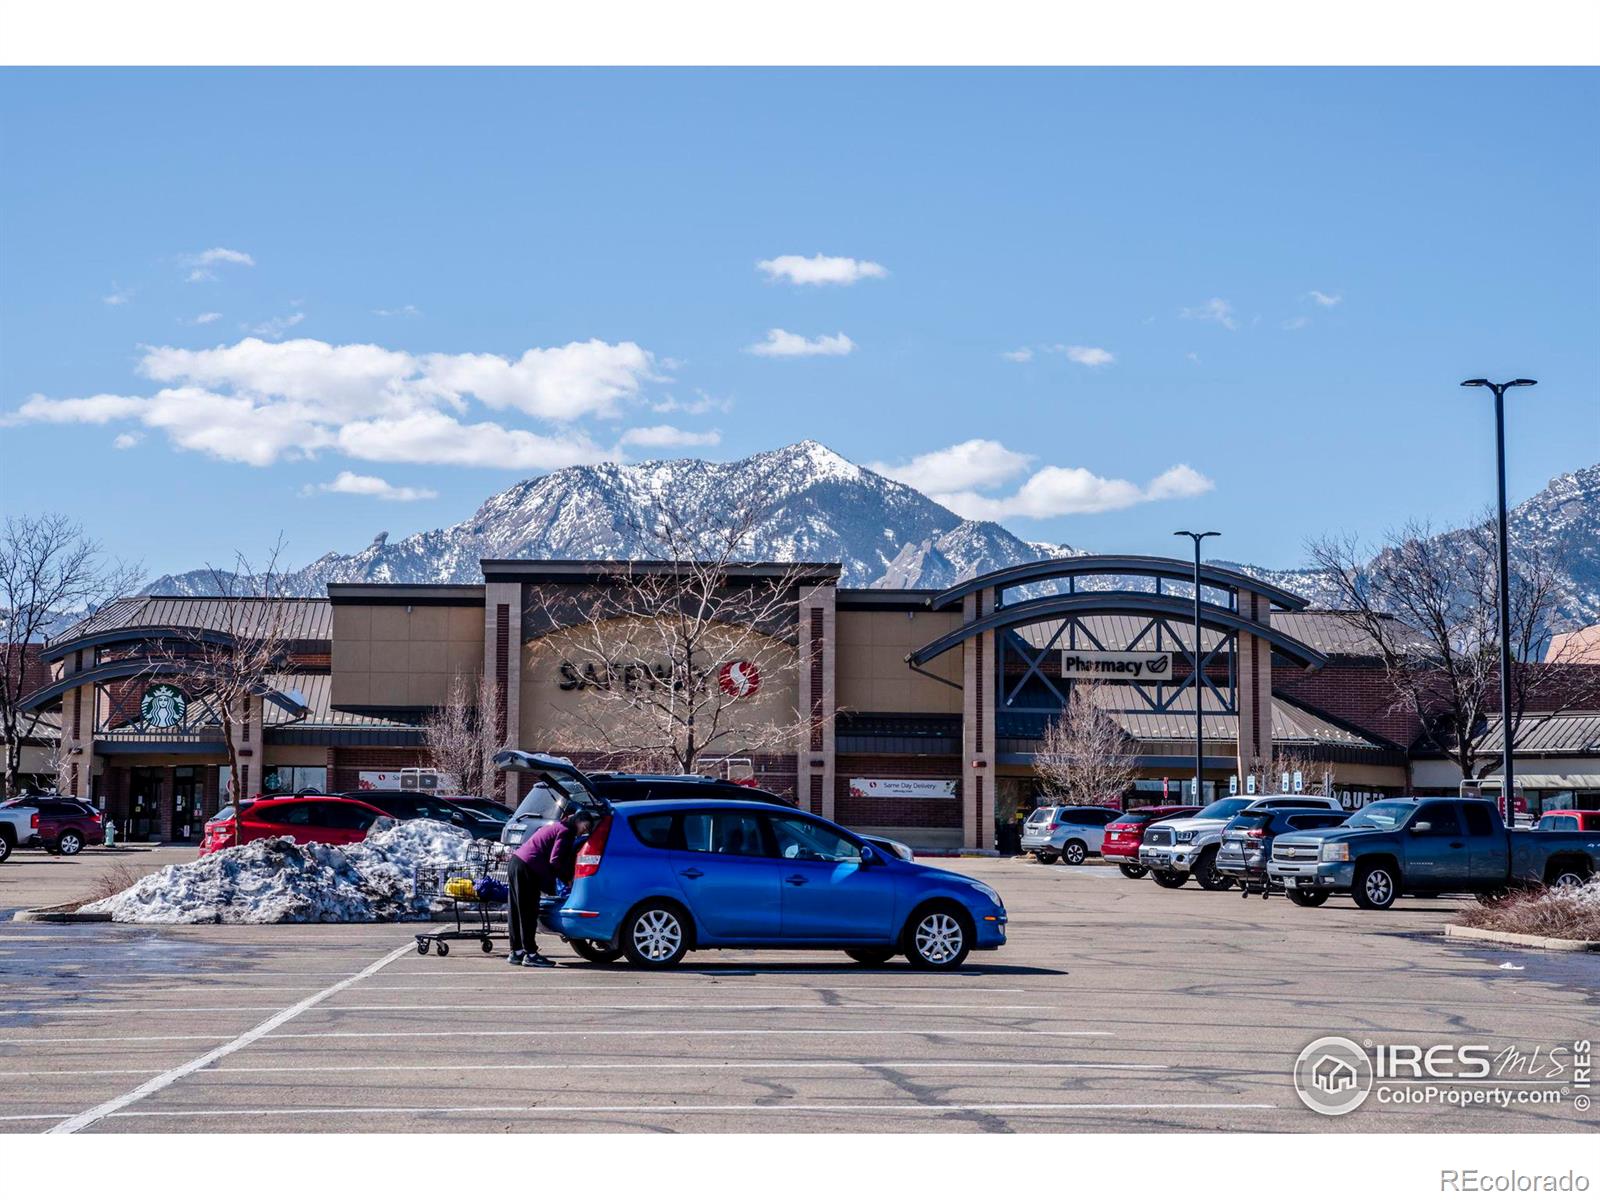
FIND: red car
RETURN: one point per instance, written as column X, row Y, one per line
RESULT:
column 1574, row 820
column 1125, row 833
column 331, row 820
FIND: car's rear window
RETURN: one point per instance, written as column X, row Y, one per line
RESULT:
column 653, row 830
column 1039, row 815
column 1255, row 820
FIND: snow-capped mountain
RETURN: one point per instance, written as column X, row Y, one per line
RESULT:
column 819, row 506
column 815, row 506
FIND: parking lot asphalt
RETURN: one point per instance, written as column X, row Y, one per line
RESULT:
column 1116, row 1006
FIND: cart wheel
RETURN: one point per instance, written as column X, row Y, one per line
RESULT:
column 422, row 945
column 487, row 946
column 442, row 949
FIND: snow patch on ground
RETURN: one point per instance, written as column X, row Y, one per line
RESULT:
column 276, row 881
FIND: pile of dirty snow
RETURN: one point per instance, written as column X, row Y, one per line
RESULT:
column 276, row 881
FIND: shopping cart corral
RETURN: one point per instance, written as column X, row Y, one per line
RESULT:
column 473, row 893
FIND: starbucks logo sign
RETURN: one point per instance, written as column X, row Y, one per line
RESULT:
column 163, row 706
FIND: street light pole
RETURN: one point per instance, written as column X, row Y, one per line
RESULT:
column 1508, row 778
column 1199, row 707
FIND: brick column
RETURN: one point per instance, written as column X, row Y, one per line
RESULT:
column 977, row 726
column 502, row 663
column 817, row 637
column 1255, row 690
column 251, row 747
column 77, row 741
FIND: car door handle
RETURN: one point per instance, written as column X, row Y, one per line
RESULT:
column 693, row 873
column 796, row 880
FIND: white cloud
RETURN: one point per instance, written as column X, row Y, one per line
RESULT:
column 276, row 327
column 820, row 269
column 206, row 318
column 702, row 404
column 658, row 436
column 1296, row 323
column 1325, row 299
column 1017, row 356
column 200, row 265
column 1215, row 309
column 405, row 310
column 258, row 401
column 979, row 463
column 1088, row 356
column 117, row 295
column 781, row 343
column 348, row 483
column 957, row 478
column 127, row 441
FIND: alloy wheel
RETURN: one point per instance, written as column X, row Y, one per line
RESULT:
column 1569, row 879
column 1379, row 886
column 70, row 843
column 658, row 934
column 939, row 937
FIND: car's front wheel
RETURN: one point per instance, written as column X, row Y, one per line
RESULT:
column 1170, row 879
column 1307, row 899
column 871, row 956
column 70, row 843
column 656, row 934
column 1074, row 852
column 1046, row 856
column 937, row 938
column 1376, row 886
column 1132, row 871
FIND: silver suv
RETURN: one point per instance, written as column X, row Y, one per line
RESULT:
column 1068, row 833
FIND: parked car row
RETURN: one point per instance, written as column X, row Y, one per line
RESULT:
column 58, row 824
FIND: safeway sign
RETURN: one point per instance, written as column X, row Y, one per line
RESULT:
column 1134, row 666
column 739, row 679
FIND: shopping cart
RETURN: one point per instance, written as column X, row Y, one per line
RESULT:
column 473, row 892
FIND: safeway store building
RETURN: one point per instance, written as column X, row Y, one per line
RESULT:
column 921, row 711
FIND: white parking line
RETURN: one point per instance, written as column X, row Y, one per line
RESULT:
column 860, row 1006
column 157, row 1114
column 151, row 1086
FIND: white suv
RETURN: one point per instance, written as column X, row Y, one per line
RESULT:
column 1070, row 834
column 1185, row 846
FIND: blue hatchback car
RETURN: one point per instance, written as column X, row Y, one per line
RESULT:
column 658, row 878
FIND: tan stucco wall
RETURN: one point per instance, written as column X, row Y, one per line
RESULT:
column 386, row 655
column 546, row 709
column 872, row 671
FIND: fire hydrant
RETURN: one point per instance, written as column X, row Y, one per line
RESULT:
column 111, row 832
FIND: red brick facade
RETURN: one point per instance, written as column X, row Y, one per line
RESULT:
column 921, row 814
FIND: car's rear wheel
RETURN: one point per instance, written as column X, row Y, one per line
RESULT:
column 1566, row 877
column 1376, row 886
column 1132, row 871
column 1307, row 899
column 70, row 843
column 5, row 848
column 595, row 952
column 656, row 935
column 1207, row 875
column 937, row 938
column 1074, row 852
column 871, row 956
column 1170, row 879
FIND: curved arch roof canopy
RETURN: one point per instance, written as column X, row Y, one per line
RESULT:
column 1138, row 604
column 1121, row 564
column 132, row 668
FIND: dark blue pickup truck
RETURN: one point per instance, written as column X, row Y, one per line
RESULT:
column 1423, row 846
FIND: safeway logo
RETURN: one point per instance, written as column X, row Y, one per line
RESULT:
column 739, row 679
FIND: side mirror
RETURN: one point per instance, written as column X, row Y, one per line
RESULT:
column 868, row 856
column 1421, row 827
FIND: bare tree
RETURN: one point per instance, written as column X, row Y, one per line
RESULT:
column 255, row 619
column 1085, row 756
column 1428, row 606
column 678, row 657
column 50, row 571
column 460, row 735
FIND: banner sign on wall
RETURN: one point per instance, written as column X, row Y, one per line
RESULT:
column 378, row 779
column 1116, row 664
column 904, row 789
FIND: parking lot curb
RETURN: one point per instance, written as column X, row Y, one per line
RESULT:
column 1520, row 939
column 59, row 916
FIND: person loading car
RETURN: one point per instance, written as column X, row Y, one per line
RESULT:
column 537, row 866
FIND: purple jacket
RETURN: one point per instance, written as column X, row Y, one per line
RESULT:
column 550, row 853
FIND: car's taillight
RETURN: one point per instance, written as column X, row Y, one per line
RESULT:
column 33, row 821
column 588, row 861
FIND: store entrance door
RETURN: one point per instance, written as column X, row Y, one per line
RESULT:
column 144, row 803
column 188, row 796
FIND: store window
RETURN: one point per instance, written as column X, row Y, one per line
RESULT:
column 286, row 781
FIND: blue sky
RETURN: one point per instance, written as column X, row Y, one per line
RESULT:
column 1080, row 280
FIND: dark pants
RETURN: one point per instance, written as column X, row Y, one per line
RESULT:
column 522, row 912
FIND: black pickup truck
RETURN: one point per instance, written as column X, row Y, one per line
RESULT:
column 1423, row 846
